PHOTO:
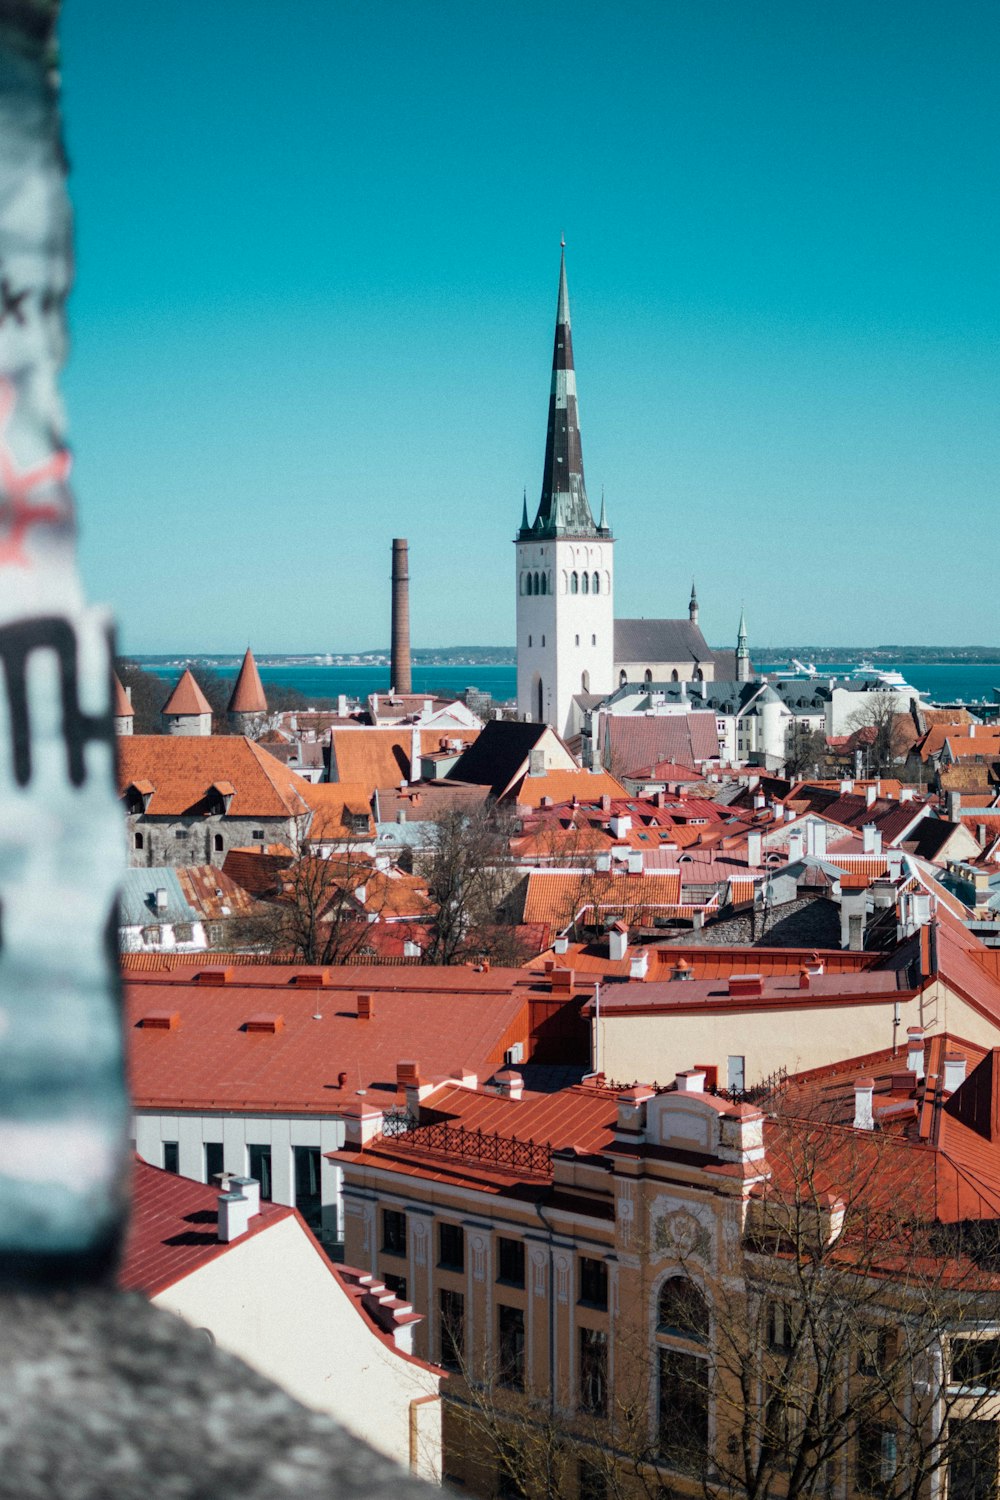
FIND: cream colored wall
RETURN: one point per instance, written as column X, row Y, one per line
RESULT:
column 655, row 1048
column 272, row 1300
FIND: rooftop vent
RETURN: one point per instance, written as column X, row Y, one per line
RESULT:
column 366, row 1007
column 264, row 1021
column 746, row 986
column 161, row 1020
column 215, row 976
column 311, row 979
column 954, row 1071
column 864, row 1088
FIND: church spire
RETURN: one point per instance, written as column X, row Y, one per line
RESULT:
column 693, row 605
column 742, row 650
column 564, row 509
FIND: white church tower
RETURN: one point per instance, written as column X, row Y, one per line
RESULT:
column 565, row 566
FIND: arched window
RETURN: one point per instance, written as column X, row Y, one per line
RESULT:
column 545, row 584
column 647, row 676
column 538, row 588
column 585, row 580
column 218, row 843
column 698, row 675
column 564, row 585
column 574, row 582
column 541, row 703
column 622, row 677
column 138, row 841
column 682, row 1310
column 673, row 676
column 526, row 589
column 597, row 583
column 585, row 682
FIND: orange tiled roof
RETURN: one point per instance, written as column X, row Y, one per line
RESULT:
column 445, row 1019
column 183, row 768
column 372, row 756
column 187, row 697
column 332, row 803
column 704, row 961
column 561, row 786
column 248, row 692
column 555, row 896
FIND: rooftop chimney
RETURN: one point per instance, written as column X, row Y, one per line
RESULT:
column 561, row 945
column 871, row 794
column 915, row 1050
column 617, row 941
column 250, row 1188
column 871, row 839
column 366, row 1007
column 691, row 1082
column 639, row 965
column 954, row 1072
column 864, row 1088
column 755, row 849
column 509, row 1083
column 234, row 1216
column 160, row 898
column 401, row 678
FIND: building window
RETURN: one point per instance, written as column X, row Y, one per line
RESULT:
column 585, row 682
column 697, row 675
column 972, row 1462
column 396, row 1285
column 622, row 677
column 258, row 835
column 597, row 583
column 545, row 583
column 451, row 1247
column 510, row 1256
column 259, row 1158
column 171, row 1156
column 585, row 583
column 976, row 1363
column 183, row 932
column 593, row 640
column 214, row 1161
column 452, row 1328
column 393, row 1231
column 529, row 640
column 593, row 1281
column 543, row 640
column 180, row 833
column 781, row 1326
column 510, row 1328
column 574, row 583
column 308, row 1196
column 591, row 1480
column 218, row 843
column 875, row 1467
column 682, row 1310
column 873, row 1350
column 673, row 676
column 577, row 639
column 683, row 1409
column 647, row 676
column 138, row 842
column 594, row 1371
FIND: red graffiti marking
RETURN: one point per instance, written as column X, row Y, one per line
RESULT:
column 17, row 511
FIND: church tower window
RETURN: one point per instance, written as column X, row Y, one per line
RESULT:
column 586, row 583
column 545, row 584
column 597, row 583
column 647, row 676
column 574, row 582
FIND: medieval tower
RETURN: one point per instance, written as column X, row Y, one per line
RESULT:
column 565, row 565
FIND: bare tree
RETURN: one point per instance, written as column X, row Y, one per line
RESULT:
column 879, row 729
column 471, row 875
column 807, row 751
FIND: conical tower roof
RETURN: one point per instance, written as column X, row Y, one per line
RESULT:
column 564, row 509
column 248, row 692
column 121, row 708
column 187, row 697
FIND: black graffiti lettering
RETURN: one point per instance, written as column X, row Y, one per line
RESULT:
column 17, row 642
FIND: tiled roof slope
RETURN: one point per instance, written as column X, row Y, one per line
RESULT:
column 182, row 770
column 556, row 896
column 661, row 641
column 561, row 786
column 248, row 691
column 446, row 1020
column 173, row 1229
column 187, row 697
column 371, row 756
column 633, row 741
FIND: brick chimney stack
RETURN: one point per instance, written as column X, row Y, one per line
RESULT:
column 399, row 672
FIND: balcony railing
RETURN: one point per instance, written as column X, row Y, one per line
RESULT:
column 532, row 1158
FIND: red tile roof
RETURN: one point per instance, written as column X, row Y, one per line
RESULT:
column 557, row 896
column 173, row 1229
column 704, row 962
column 121, row 708
column 446, row 1019
column 633, row 741
column 182, row 769
column 248, row 692
column 187, row 697
column 561, row 786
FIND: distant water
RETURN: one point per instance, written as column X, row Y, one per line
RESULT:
column 358, row 682
column 941, row 683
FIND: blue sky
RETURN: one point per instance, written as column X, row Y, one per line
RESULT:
column 317, row 251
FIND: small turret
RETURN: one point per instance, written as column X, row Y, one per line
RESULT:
column 187, row 710
column 247, row 705
column 693, row 605
column 121, row 706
